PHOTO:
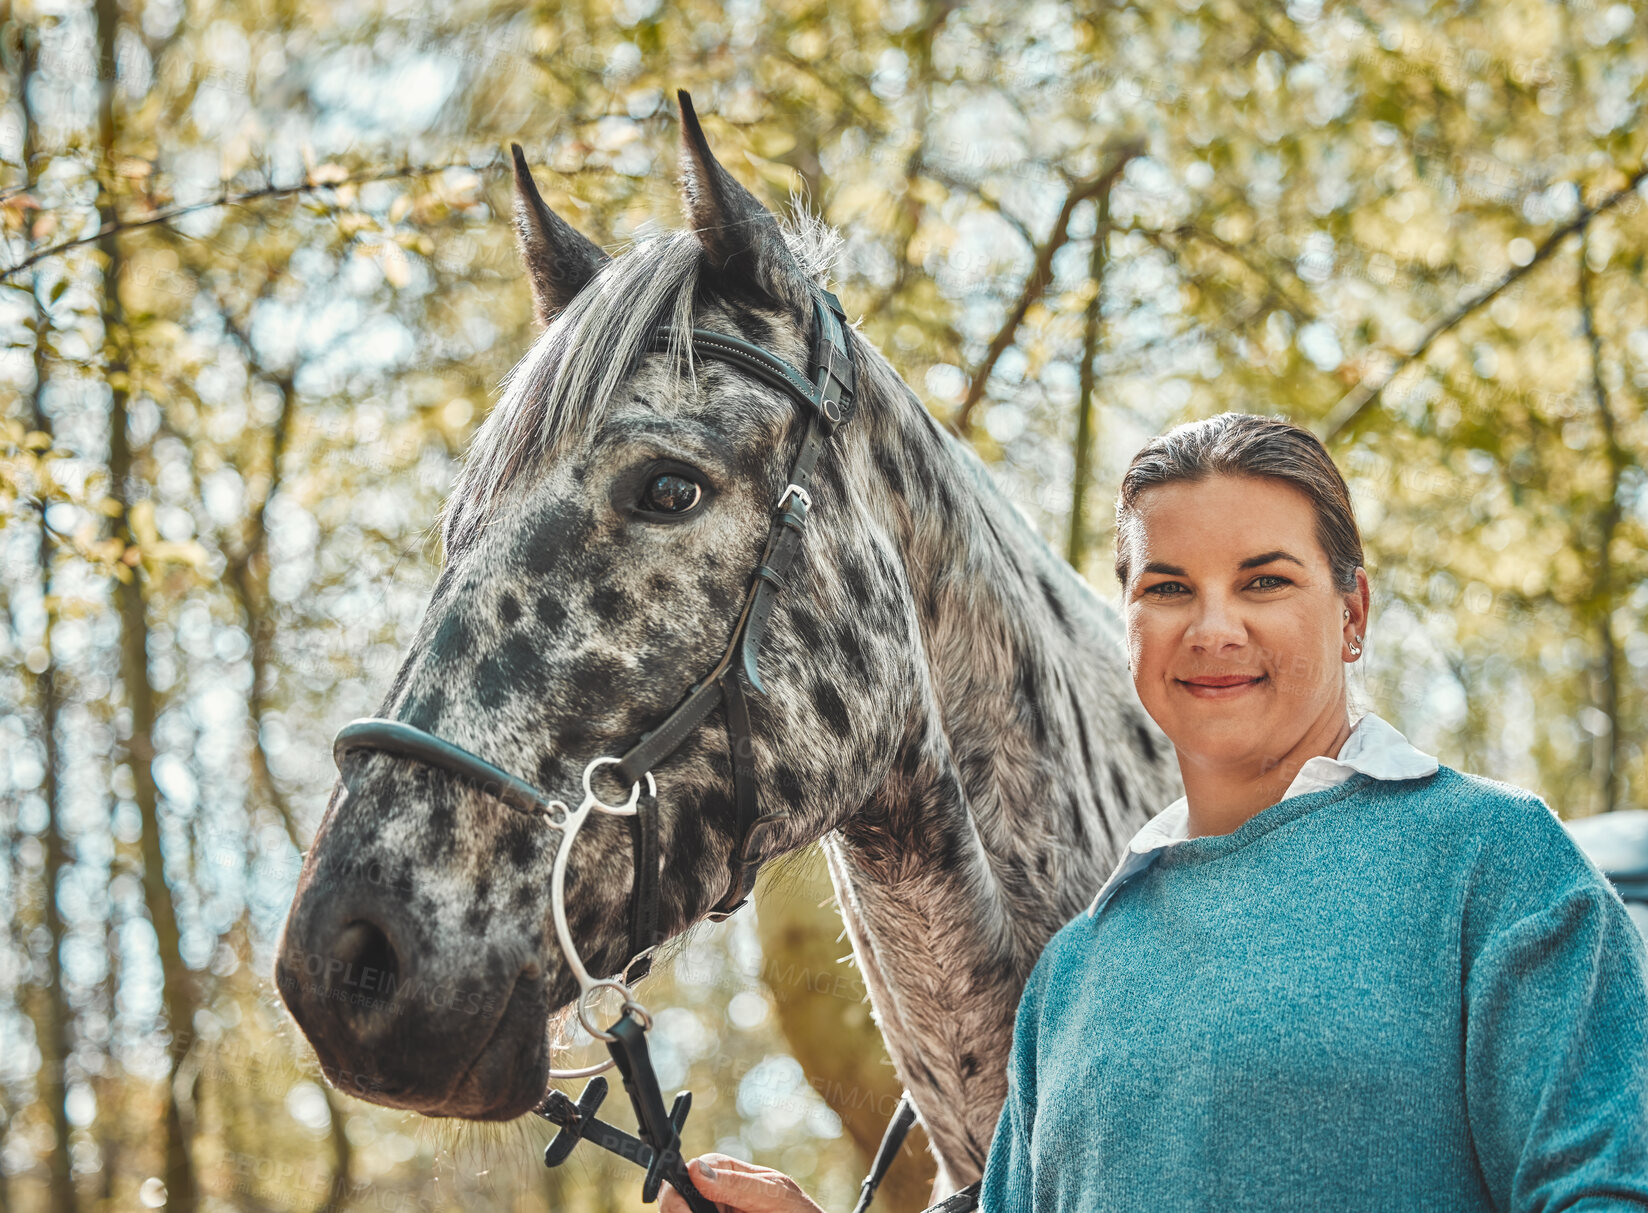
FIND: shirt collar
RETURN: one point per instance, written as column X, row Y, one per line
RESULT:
column 1374, row 748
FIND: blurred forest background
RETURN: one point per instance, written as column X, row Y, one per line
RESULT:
column 258, row 286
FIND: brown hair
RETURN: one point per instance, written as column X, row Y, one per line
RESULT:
column 1246, row 444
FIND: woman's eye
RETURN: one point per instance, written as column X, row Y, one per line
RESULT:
column 671, row 493
column 1279, row 580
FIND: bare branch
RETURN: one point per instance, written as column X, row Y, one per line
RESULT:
column 1349, row 408
column 224, row 198
column 1041, row 275
column 1297, row 306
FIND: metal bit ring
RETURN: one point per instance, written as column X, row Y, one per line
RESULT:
column 583, row 1005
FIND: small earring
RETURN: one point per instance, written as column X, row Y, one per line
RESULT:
column 1356, row 647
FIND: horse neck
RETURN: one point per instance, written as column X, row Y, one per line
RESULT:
column 1028, row 764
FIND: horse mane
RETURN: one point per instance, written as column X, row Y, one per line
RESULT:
column 562, row 389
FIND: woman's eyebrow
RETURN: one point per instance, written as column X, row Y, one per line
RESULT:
column 1173, row 570
column 1267, row 557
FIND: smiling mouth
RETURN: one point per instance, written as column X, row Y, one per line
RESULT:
column 1229, row 690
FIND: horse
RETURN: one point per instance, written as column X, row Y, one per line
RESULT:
column 943, row 703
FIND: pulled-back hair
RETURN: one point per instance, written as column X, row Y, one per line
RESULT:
column 1246, row 444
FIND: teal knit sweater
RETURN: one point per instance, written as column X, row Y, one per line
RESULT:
column 1403, row 995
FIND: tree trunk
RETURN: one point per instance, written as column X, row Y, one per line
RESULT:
column 53, row 1017
column 1607, row 745
column 53, row 1023
column 178, row 994
column 1076, row 550
column 824, row 1012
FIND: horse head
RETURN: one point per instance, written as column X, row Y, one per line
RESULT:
column 599, row 550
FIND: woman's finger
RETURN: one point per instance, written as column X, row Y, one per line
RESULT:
column 740, row 1187
column 671, row 1201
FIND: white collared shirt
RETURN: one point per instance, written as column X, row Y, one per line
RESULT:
column 1374, row 748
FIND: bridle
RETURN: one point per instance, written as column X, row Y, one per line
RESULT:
column 827, row 395
column 828, row 398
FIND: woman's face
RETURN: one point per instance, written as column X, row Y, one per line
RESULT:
column 1227, row 578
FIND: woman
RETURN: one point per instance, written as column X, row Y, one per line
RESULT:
column 1336, row 974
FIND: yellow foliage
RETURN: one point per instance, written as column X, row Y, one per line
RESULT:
column 352, row 223
column 771, row 141
column 140, row 518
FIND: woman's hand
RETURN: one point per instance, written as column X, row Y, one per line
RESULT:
column 740, row 1187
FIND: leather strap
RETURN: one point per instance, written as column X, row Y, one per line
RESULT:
column 658, row 743
column 830, row 401
column 660, row 1129
column 742, row 875
column 783, row 545
column 963, row 1201
column 643, row 923
column 898, row 1128
column 833, row 392
column 836, row 381
column 408, row 741
column 751, row 358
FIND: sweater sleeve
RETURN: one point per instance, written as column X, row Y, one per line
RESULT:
column 1556, row 1038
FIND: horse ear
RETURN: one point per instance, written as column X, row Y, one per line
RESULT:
column 560, row 260
column 739, row 235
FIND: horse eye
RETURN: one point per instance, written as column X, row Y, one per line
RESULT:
column 671, row 493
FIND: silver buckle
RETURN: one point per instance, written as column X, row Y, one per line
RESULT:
column 796, row 490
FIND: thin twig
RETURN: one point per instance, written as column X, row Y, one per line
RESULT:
column 1350, row 406
column 1298, row 307
column 225, row 198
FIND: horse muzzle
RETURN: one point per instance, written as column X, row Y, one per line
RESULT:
column 391, row 1024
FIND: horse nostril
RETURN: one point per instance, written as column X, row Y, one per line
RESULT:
column 363, row 979
column 363, row 946
column 366, row 955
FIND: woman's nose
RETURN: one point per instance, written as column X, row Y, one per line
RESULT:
column 1215, row 623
